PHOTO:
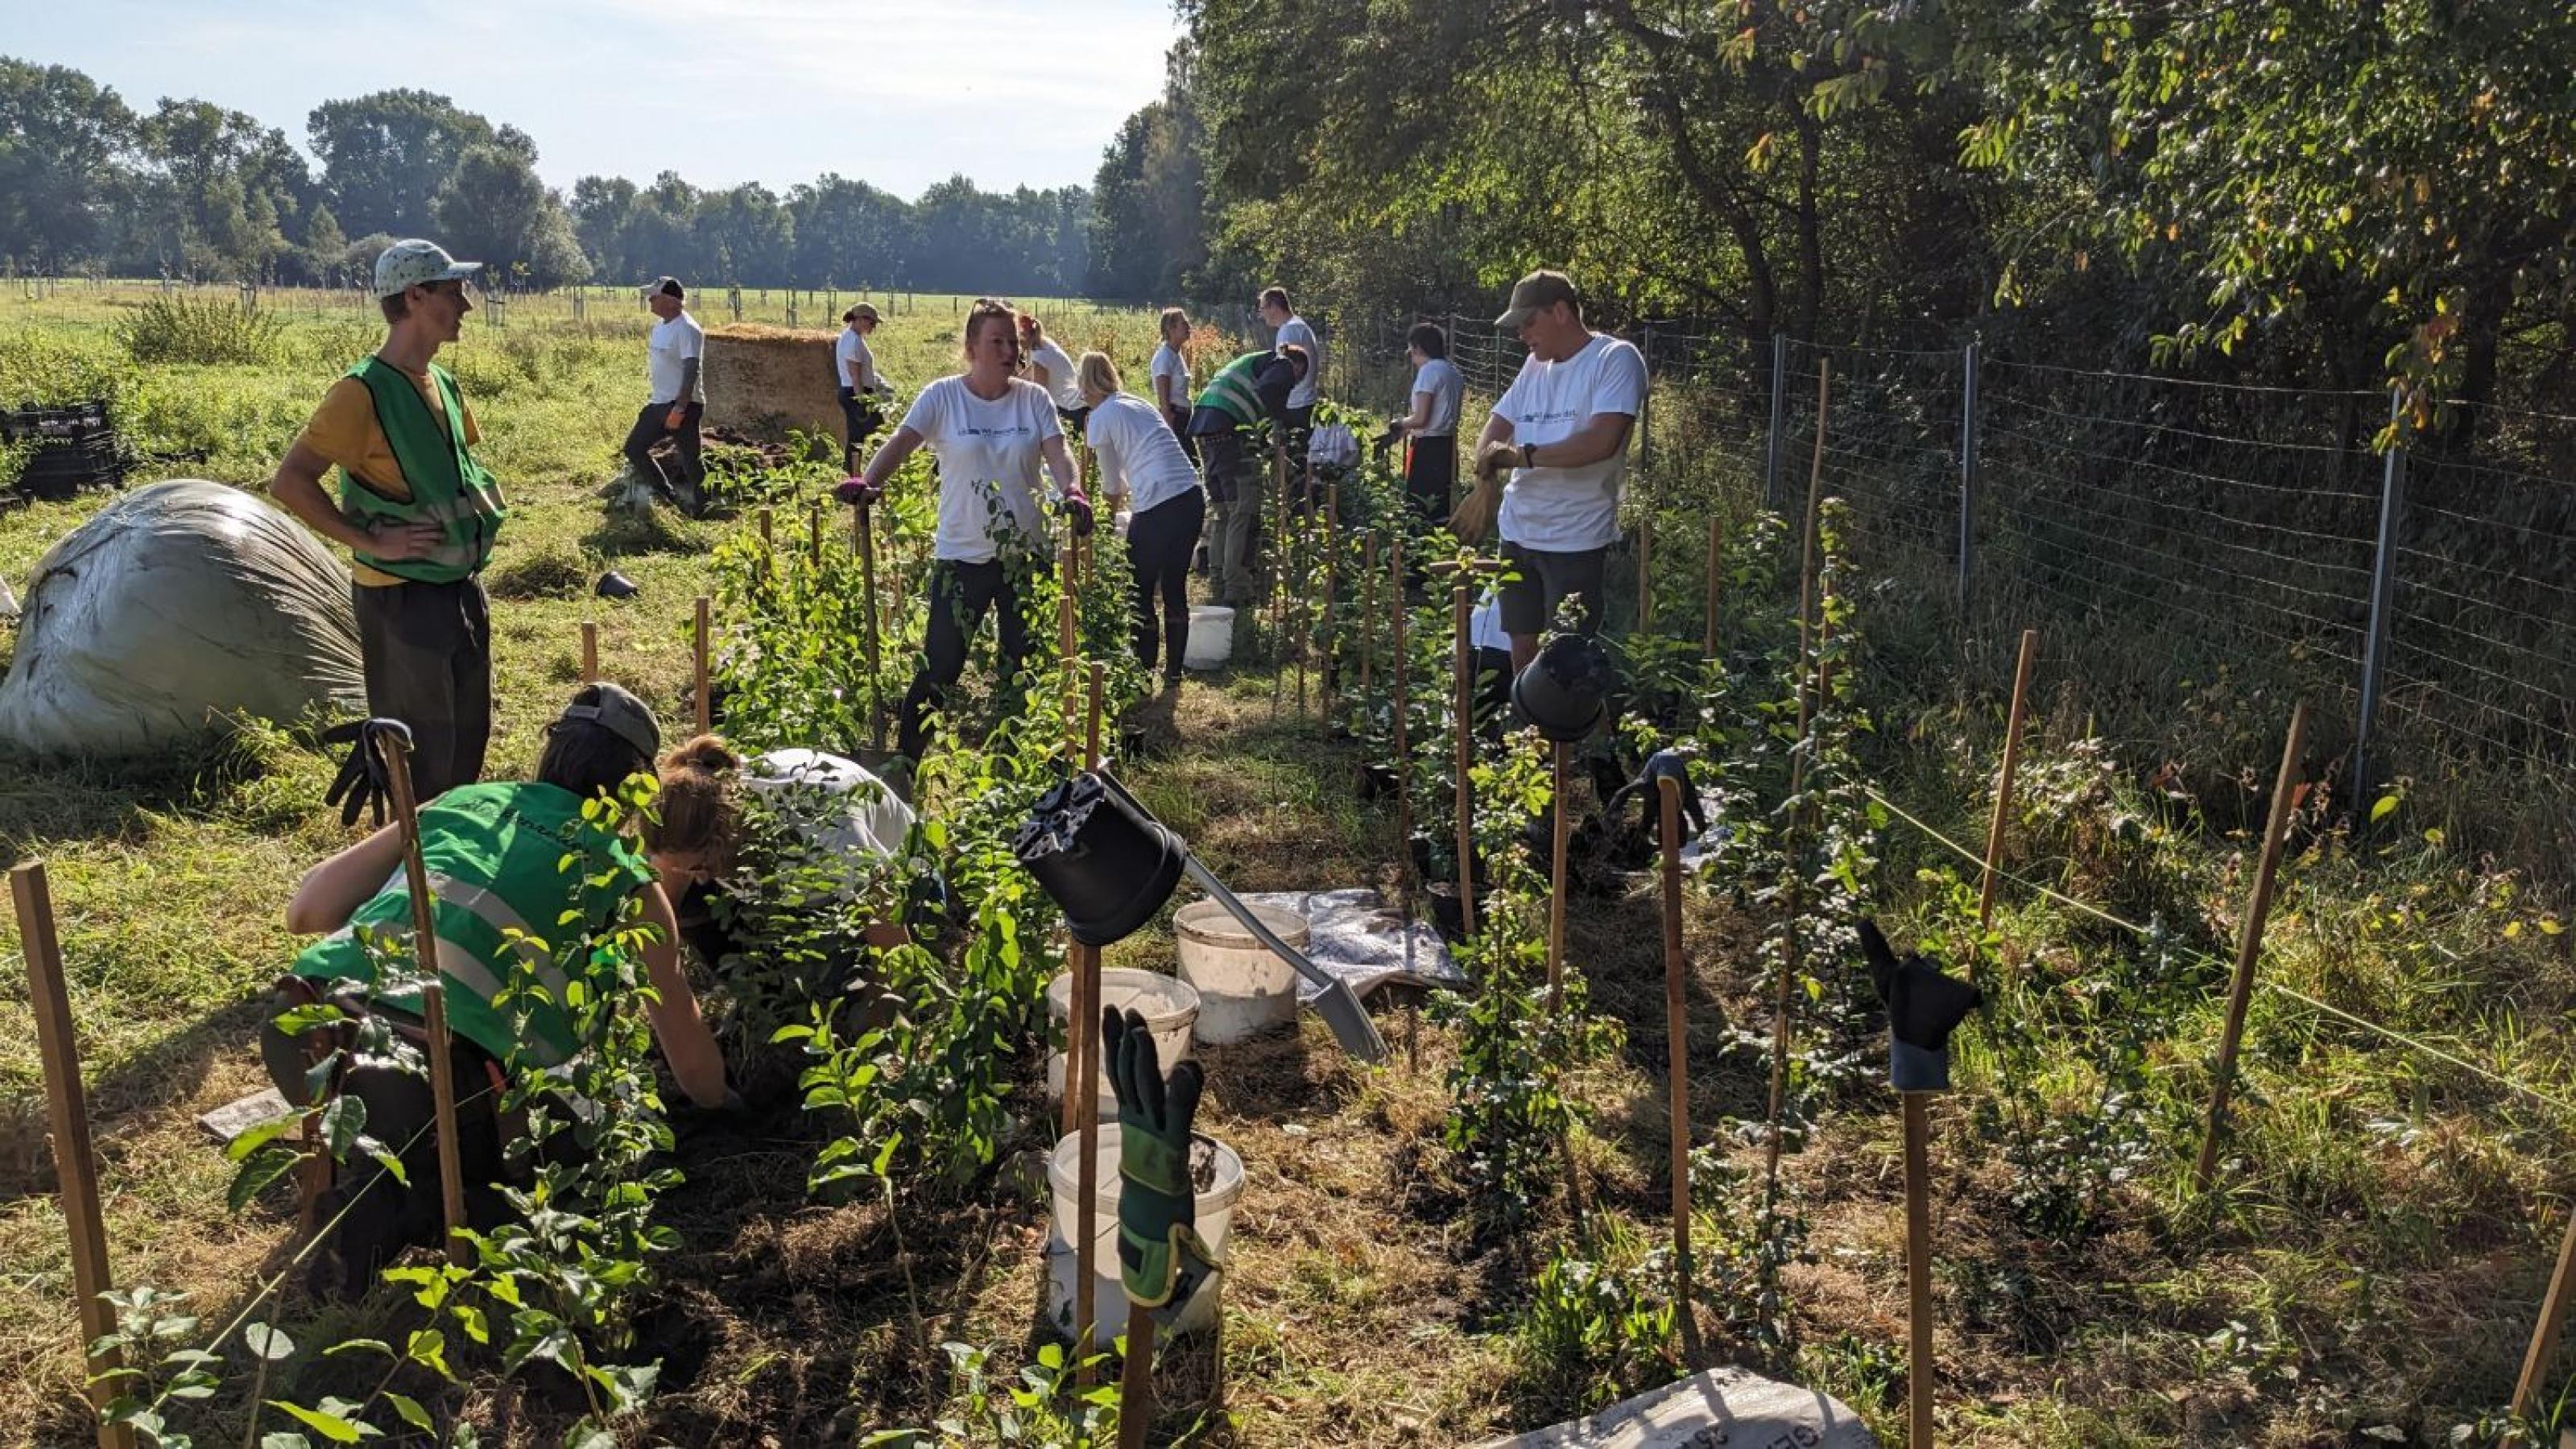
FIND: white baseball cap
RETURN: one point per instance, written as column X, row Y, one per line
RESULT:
column 413, row 262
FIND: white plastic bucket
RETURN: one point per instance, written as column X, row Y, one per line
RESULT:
column 1211, row 641
column 1244, row 988
column 1214, row 1221
column 1169, row 1007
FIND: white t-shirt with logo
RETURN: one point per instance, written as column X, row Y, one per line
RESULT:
column 1138, row 454
column 1440, row 378
column 989, row 454
column 675, row 340
column 853, row 348
column 847, row 814
column 1569, row 510
column 1168, row 362
column 1060, row 383
column 1296, row 330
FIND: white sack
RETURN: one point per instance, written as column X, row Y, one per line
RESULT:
column 176, row 605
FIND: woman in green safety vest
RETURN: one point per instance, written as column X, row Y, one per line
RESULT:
column 1244, row 392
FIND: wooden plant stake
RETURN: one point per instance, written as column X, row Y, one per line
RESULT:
column 1082, row 1053
column 2553, row 1321
column 706, row 702
column 765, row 545
column 1368, row 613
column 814, row 533
column 863, row 543
column 2249, row 946
column 433, row 999
column 1668, row 793
column 1462, row 662
column 1403, row 751
column 2004, row 786
column 1918, row 1270
column 1277, row 541
column 1067, row 643
column 75, row 1159
column 1136, row 1378
column 1556, row 884
column 1645, row 577
column 589, row 652
column 1716, row 560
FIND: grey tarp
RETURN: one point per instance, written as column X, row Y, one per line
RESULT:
column 176, row 605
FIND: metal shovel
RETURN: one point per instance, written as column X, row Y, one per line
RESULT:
column 1339, row 1005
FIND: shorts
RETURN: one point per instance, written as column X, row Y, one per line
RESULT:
column 1545, row 579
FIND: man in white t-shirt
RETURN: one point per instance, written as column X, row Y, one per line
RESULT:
column 1276, row 313
column 673, row 354
column 1561, row 430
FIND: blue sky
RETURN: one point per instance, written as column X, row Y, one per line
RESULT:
column 900, row 93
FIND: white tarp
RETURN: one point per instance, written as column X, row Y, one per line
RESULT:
column 174, row 606
column 1723, row 1406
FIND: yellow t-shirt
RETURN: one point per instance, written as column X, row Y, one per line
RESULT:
column 344, row 429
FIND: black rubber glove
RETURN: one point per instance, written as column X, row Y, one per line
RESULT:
column 1161, row 1257
column 856, row 490
column 1078, row 508
column 363, row 781
column 1923, row 1006
column 1661, row 765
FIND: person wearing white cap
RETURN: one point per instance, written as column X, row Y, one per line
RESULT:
column 417, row 513
column 1561, row 430
column 672, row 357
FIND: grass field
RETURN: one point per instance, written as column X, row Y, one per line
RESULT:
column 2372, row 1272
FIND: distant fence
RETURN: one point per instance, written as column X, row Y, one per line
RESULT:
column 2186, row 545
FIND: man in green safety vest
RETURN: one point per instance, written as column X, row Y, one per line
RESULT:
column 417, row 514
column 1244, row 392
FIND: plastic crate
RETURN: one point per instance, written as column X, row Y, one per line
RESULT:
column 77, row 448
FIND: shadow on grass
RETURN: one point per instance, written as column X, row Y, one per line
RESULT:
column 54, row 799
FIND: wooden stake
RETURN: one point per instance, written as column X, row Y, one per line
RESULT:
column 1085, row 1053
column 1556, row 887
column 1277, row 541
column 1918, row 1271
column 2004, row 785
column 2553, row 1321
column 1368, row 613
column 1403, row 751
column 1136, row 1379
column 589, row 652
column 1807, row 558
column 1716, row 559
column 1091, row 728
column 706, row 701
column 1462, row 657
column 75, row 1158
column 814, row 532
column 1677, row 1054
column 863, row 543
column 1068, row 646
column 433, row 999
column 1645, row 577
column 2249, row 946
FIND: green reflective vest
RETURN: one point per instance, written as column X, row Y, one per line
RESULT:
column 448, row 487
column 495, row 858
column 1232, row 392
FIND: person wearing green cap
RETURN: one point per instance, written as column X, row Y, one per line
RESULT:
column 1561, row 431
column 509, row 865
column 417, row 513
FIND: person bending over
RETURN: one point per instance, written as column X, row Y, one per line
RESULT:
column 1141, row 457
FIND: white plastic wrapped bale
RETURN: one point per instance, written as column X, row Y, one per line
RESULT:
column 176, row 606
column 1725, row 1406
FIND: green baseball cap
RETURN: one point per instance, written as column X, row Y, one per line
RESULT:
column 1539, row 289
column 616, row 710
column 413, row 262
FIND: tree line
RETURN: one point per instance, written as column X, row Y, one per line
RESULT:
column 194, row 191
column 2319, row 192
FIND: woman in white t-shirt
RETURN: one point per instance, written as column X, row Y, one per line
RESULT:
column 1045, row 364
column 989, row 431
column 854, row 375
column 1170, row 375
column 1140, row 456
column 1431, row 429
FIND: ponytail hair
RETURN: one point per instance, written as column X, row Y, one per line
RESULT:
column 700, row 810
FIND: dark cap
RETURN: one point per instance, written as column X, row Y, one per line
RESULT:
column 1539, row 289
column 666, row 287
column 614, row 709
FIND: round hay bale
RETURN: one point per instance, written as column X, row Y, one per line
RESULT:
column 761, row 381
column 172, row 608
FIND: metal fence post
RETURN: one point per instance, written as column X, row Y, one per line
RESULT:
column 1967, row 474
column 2383, row 588
column 1779, row 395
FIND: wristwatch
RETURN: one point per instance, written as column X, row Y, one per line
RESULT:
column 1529, row 455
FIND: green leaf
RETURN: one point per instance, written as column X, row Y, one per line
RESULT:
column 284, row 1439
column 411, row 1411
column 359, row 1345
column 330, row 1426
column 342, row 1122
column 590, row 1434
column 260, row 1133
column 272, row 1161
column 268, row 1342
column 2386, row 805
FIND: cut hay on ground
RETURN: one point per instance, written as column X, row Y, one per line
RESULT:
column 764, row 380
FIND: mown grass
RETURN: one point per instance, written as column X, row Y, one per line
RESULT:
column 2375, row 1259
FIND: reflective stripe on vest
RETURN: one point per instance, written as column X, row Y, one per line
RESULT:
column 448, row 487
column 1232, row 391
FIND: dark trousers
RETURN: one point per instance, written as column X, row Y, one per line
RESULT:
column 859, row 418
column 1179, row 420
column 428, row 653
column 961, row 594
column 1430, row 472
column 652, row 426
column 1160, row 541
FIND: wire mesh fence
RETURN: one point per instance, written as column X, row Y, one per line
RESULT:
column 2199, row 554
